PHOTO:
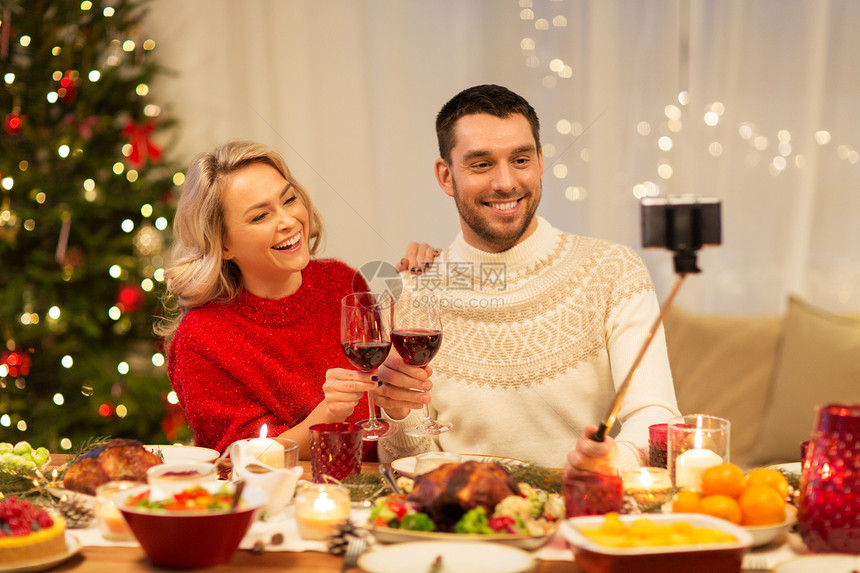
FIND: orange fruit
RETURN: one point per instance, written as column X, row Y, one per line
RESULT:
column 686, row 502
column 761, row 505
column 722, row 506
column 771, row 478
column 724, row 479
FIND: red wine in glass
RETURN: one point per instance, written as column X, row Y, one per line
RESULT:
column 366, row 355
column 417, row 336
column 365, row 336
column 417, row 346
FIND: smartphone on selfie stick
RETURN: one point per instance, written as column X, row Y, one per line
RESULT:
column 682, row 225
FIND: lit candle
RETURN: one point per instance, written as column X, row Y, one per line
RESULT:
column 267, row 450
column 690, row 465
column 648, row 486
column 111, row 523
column 319, row 508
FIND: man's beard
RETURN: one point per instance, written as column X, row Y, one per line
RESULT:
column 484, row 228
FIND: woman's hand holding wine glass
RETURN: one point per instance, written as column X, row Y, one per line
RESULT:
column 365, row 335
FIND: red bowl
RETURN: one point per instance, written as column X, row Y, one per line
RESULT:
column 701, row 558
column 191, row 540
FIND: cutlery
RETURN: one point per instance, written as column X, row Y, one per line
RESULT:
column 388, row 476
column 755, row 564
column 354, row 549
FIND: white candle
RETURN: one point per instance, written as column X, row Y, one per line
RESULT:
column 690, row 465
column 268, row 451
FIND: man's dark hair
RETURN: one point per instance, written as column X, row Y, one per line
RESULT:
column 492, row 99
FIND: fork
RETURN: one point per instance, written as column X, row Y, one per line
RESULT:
column 755, row 564
column 354, row 549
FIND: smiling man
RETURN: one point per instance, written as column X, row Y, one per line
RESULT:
column 540, row 327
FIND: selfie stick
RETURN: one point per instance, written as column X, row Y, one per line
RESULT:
column 682, row 226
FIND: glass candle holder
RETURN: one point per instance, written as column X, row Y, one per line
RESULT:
column 592, row 494
column 276, row 452
column 650, row 487
column 335, row 451
column 658, row 436
column 829, row 508
column 320, row 508
column 695, row 443
column 111, row 523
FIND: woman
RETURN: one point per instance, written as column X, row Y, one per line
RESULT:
column 256, row 339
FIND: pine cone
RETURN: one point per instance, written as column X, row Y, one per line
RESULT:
column 343, row 531
column 77, row 512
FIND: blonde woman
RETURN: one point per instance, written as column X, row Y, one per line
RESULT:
column 254, row 334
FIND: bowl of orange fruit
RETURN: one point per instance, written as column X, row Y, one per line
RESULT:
column 756, row 500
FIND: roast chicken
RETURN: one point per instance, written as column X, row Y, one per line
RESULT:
column 450, row 490
column 115, row 460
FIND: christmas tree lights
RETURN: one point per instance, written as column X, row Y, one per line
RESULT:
column 86, row 196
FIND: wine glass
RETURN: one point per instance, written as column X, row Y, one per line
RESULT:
column 365, row 336
column 417, row 336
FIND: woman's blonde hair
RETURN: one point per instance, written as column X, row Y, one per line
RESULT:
column 198, row 273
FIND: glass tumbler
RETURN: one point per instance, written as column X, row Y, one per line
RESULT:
column 592, row 494
column 829, row 508
column 335, row 451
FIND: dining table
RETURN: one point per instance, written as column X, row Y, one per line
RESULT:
column 132, row 559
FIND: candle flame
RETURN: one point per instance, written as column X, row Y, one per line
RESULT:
column 646, row 477
column 825, row 470
column 697, row 439
column 324, row 504
column 264, row 430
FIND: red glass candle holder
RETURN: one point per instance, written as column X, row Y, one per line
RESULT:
column 829, row 508
column 658, row 435
column 592, row 494
column 335, row 451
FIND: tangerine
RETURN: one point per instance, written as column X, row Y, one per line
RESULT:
column 761, row 505
column 769, row 477
column 686, row 501
column 724, row 479
column 722, row 506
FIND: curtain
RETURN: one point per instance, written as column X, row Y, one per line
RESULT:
column 753, row 102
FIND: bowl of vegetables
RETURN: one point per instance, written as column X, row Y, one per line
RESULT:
column 193, row 528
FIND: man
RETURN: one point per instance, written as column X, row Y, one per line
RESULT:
column 540, row 326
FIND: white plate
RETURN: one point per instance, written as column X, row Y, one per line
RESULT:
column 820, row 564
column 456, row 558
column 406, row 466
column 177, row 454
column 764, row 534
column 72, row 547
column 792, row 468
column 392, row 535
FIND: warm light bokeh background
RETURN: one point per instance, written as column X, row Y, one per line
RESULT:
column 348, row 91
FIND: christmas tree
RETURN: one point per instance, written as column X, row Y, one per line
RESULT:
column 86, row 196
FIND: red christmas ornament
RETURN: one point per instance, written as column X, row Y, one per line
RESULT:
column 17, row 362
column 130, row 298
column 13, row 123
column 141, row 146
column 68, row 89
